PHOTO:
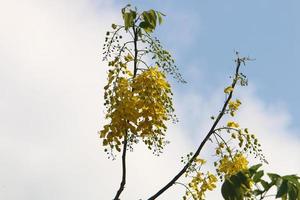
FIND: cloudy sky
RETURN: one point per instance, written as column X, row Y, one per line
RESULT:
column 52, row 78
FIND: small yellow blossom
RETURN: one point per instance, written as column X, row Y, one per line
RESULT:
column 232, row 124
column 228, row 89
column 200, row 161
column 234, row 106
column 200, row 184
column 231, row 166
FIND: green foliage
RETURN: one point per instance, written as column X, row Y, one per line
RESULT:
column 128, row 17
column 233, row 188
column 236, row 187
column 147, row 19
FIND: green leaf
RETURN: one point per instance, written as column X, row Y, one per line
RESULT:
column 265, row 184
column 133, row 13
column 234, row 188
column 160, row 19
column 228, row 191
column 274, row 177
column 129, row 18
column 258, row 175
column 126, row 17
column 293, row 186
column 254, row 168
column 292, row 193
column 144, row 25
column 282, row 189
column 149, row 21
column 293, row 179
column 153, row 17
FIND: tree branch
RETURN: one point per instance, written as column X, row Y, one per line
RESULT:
column 211, row 131
column 187, row 188
column 123, row 182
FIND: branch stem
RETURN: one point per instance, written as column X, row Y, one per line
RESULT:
column 211, row 131
column 123, row 181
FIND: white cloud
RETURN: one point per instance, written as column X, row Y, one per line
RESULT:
column 51, row 80
column 51, row 105
column 271, row 123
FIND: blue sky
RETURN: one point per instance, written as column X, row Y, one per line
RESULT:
column 204, row 35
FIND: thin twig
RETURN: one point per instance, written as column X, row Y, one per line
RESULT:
column 187, row 188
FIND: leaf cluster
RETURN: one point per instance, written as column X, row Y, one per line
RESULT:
column 250, row 184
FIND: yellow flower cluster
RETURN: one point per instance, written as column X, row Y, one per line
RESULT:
column 234, row 106
column 230, row 166
column 154, row 105
column 120, row 113
column 200, row 184
column 138, row 106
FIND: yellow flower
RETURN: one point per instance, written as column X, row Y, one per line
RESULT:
column 232, row 166
column 200, row 184
column 139, row 106
column 232, row 124
column 200, row 161
column 228, row 89
column 233, row 106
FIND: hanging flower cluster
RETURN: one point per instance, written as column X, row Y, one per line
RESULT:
column 199, row 185
column 200, row 182
column 231, row 160
column 154, row 106
column 232, row 165
column 121, row 112
column 136, row 107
